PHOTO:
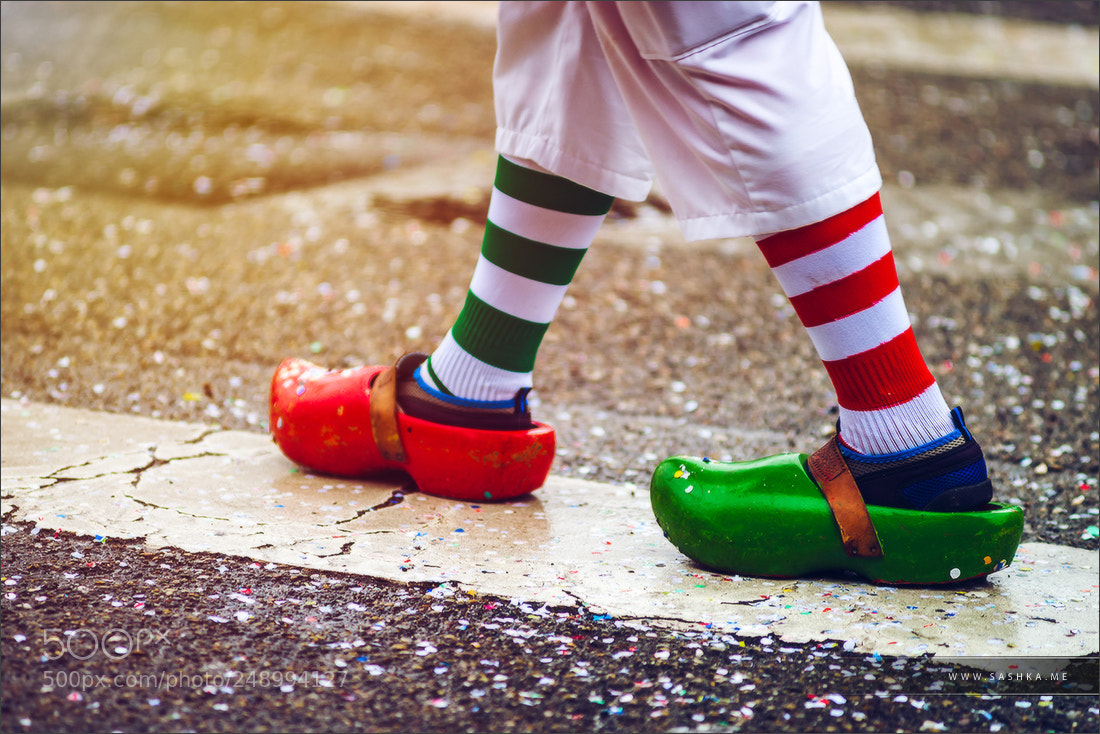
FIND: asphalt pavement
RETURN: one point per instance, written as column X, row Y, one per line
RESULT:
column 193, row 191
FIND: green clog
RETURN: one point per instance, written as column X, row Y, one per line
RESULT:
column 768, row 517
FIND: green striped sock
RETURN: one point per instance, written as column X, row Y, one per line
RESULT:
column 539, row 228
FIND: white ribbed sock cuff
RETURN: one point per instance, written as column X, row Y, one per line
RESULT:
column 911, row 424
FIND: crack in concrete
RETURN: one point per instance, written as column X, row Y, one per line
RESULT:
column 154, row 462
column 201, row 437
column 203, row 455
column 137, row 475
column 579, row 600
column 136, row 471
column 748, row 602
column 396, row 497
column 345, row 549
column 654, row 618
column 143, row 503
column 645, row 618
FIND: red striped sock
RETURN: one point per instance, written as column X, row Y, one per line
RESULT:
column 840, row 277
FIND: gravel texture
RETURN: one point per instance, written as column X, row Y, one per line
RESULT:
column 431, row 659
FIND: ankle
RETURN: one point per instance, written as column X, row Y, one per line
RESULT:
column 421, row 399
column 851, row 452
column 946, row 474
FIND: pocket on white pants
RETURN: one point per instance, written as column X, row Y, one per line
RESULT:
column 670, row 30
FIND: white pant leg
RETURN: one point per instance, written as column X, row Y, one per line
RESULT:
column 746, row 110
column 557, row 103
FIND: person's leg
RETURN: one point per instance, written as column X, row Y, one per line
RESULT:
column 539, row 227
column 752, row 139
column 901, row 441
column 749, row 116
column 567, row 147
column 457, row 421
column 840, row 277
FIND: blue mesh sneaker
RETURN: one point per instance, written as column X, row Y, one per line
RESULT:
column 945, row 475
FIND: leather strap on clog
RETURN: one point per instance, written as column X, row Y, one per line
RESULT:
column 832, row 475
column 383, row 416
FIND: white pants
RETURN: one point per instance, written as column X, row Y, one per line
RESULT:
column 745, row 110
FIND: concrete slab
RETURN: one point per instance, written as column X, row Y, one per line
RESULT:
column 54, row 442
column 201, row 488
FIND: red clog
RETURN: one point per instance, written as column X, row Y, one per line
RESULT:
column 324, row 420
